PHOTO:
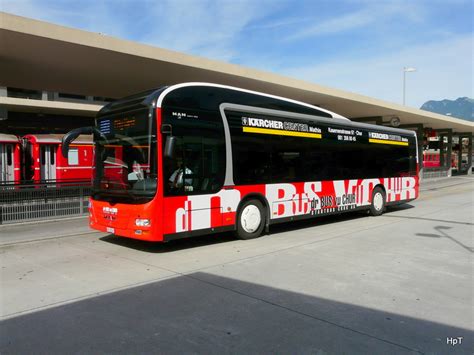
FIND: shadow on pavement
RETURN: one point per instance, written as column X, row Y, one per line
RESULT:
column 443, row 234
column 402, row 207
column 434, row 220
column 217, row 238
column 193, row 242
column 180, row 244
column 209, row 314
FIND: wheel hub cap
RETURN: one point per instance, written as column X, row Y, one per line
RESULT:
column 250, row 218
column 378, row 201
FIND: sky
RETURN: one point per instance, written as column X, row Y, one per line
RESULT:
column 359, row 46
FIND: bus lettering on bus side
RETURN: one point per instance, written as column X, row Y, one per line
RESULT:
column 280, row 197
column 345, row 188
column 378, row 135
column 258, row 122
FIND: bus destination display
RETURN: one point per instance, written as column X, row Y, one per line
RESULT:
column 108, row 126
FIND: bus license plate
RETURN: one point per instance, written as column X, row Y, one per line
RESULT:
column 110, row 230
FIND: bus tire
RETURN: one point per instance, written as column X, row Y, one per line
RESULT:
column 378, row 202
column 250, row 220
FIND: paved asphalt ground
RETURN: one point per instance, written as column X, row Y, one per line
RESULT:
column 352, row 284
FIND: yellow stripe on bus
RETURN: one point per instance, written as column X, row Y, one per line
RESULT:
column 281, row 133
column 383, row 141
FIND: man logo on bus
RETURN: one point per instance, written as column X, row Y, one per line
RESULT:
column 244, row 121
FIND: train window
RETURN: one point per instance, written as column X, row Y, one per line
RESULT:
column 52, row 152
column 73, row 156
column 9, row 154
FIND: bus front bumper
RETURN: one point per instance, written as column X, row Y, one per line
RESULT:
column 131, row 221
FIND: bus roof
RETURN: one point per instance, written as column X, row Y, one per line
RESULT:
column 156, row 97
column 178, row 86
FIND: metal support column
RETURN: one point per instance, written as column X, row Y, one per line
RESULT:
column 445, row 160
column 461, row 136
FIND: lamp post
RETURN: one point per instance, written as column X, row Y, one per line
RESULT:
column 405, row 71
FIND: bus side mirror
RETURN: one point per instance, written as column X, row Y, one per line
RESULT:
column 71, row 136
column 169, row 147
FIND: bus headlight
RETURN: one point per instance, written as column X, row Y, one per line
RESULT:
column 142, row 222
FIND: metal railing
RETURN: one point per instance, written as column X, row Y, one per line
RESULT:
column 432, row 173
column 20, row 203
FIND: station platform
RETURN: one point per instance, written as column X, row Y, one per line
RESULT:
column 41, row 230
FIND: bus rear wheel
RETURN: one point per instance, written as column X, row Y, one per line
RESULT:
column 378, row 202
column 250, row 220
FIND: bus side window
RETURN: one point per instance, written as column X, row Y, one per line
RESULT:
column 171, row 169
column 199, row 155
column 196, row 167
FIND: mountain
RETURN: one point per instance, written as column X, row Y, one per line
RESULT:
column 462, row 107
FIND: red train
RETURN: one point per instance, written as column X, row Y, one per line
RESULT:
column 431, row 159
column 37, row 158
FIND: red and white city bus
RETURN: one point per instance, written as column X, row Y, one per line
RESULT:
column 201, row 158
column 9, row 158
column 43, row 161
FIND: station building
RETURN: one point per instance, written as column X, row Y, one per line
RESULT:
column 54, row 78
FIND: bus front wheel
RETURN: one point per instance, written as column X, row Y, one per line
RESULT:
column 250, row 220
column 378, row 202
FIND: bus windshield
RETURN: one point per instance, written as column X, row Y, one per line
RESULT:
column 126, row 167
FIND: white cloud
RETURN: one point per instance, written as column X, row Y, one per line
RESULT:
column 30, row 8
column 444, row 70
column 206, row 27
column 95, row 16
column 274, row 24
column 371, row 12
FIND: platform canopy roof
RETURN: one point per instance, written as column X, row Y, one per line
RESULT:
column 44, row 56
